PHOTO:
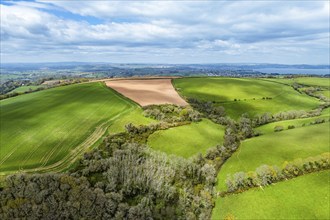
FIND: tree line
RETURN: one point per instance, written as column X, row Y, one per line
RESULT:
column 172, row 113
column 266, row 175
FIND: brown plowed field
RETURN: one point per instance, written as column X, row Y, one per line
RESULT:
column 148, row 91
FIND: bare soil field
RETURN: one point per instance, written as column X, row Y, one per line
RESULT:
column 148, row 91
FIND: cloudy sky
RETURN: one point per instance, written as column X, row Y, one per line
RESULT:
column 290, row 32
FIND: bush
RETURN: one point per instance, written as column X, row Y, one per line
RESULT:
column 319, row 121
column 278, row 128
column 172, row 113
column 291, row 127
column 209, row 110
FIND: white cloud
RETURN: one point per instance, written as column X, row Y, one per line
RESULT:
column 206, row 30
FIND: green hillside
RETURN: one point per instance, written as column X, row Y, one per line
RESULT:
column 188, row 140
column 305, row 197
column 326, row 93
column 269, row 128
column 135, row 117
column 276, row 148
column 49, row 128
column 308, row 81
column 242, row 95
column 22, row 89
column 314, row 81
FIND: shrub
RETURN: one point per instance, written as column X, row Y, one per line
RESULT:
column 291, row 127
column 171, row 113
column 319, row 121
column 278, row 128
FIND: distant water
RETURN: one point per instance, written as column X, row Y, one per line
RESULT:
column 294, row 71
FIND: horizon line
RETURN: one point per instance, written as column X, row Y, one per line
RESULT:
column 156, row 63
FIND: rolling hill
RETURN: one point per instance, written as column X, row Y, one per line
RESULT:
column 243, row 95
column 47, row 129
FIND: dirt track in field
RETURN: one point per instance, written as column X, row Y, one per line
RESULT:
column 148, row 91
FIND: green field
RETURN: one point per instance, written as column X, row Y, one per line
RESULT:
column 22, row 89
column 305, row 197
column 135, row 117
column 308, row 81
column 247, row 92
column 314, row 81
column 276, row 148
column 326, row 93
column 188, row 140
column 269, row 128
column 49, row 128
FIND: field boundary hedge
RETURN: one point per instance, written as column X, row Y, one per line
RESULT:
column 266, row 175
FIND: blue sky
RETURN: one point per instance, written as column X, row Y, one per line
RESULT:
column 289, row 32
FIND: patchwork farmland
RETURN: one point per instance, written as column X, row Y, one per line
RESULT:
column 231, row 141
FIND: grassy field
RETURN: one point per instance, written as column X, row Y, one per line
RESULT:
column 276, row 148
column 269, row 128
column 308, row 81
column 326, row 93
column 188, row 140
column 45, row 129
column 313, row 81
column 22, row 89
column 305, row 197
column 247, row 92
column 135, row 117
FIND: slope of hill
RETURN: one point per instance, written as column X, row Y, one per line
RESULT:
column 306, row 197
column 242, row 95
column 276, row 148
column 51, row 127
column 188, row 140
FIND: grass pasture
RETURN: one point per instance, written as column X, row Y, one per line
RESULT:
column 248, row 93
column 22, row 89
column 135, row 117
column 314, row 81
column 269, row 128
column 326, row 93
column 305, row 197
column 43, row 130
column 321, row 82
column 276, row 148
column 188, row 140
